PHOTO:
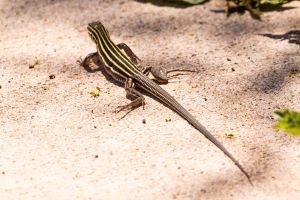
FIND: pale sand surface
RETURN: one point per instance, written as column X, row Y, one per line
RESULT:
column 57, row 142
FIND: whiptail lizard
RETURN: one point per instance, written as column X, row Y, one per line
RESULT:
column 124, row 69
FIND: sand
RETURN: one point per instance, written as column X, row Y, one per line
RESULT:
column 58, row 142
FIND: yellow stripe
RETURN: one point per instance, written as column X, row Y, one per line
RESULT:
column 129, row 66
column 117, row 50
column 106, row 54
column 106, row 39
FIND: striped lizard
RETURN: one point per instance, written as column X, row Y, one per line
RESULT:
column 124, row 69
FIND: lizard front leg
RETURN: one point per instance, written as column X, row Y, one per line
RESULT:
column 129, row 52
column 134, row 58
column 160, row 74
column 88, row 59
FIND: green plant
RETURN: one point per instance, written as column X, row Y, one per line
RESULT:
column 191, row 1
column 253, row 6
column 288, row 121
column 96, row 92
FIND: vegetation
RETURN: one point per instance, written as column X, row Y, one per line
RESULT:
column 96, row 92
column 255, row 7
column 288, row 121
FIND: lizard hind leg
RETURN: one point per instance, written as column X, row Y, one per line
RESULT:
column 138, row 98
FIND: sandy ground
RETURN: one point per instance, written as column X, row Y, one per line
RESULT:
column 58, row 142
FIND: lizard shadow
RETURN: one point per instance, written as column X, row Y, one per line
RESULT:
column 292, row 36
column 263, row 156
column 98, row 65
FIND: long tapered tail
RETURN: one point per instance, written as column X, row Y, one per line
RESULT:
column 167, row 99
column 186, row 115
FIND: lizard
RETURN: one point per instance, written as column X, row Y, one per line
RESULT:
column 122, row 67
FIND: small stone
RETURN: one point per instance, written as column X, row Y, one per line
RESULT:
column 203, row 190
column 52, row 76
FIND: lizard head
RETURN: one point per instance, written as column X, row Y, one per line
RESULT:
column 97, row 31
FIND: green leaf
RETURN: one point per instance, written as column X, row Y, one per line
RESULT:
column 192, row 1
column 289, row 121
column 274, row 2
column 168, row 119
column 96, row 92
column 253, row 6
column 229, row 135
column 254, row 11
column 36, row 62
